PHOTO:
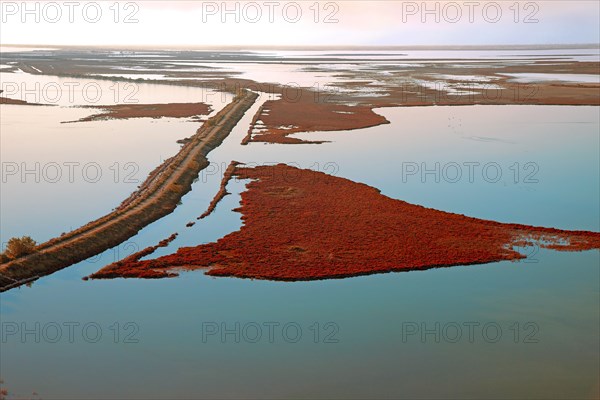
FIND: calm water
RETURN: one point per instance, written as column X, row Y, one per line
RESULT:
column 535, row 323
column 56, row 176
column 90, row 92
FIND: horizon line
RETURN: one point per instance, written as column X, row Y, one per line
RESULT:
column 310, row 47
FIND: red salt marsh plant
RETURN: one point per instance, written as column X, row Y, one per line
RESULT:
column 316, row 226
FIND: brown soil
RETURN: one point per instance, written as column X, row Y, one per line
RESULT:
column 6, row 100
column 302, row 225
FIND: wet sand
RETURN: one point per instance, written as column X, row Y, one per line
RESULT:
column 305, row 225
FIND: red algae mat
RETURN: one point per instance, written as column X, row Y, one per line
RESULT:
column 303, row 225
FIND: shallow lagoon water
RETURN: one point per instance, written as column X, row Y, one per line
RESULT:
column 173, row 359
column 90, row 92
column 366, row 351
column 57, row 176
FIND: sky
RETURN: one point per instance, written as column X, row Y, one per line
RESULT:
column 298, row 23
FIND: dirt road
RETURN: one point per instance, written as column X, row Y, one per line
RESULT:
column 157, row 197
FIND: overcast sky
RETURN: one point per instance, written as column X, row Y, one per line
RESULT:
column 202, row 23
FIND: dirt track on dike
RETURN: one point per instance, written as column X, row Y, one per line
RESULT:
column 157, row 196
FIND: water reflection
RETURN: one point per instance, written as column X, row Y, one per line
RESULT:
column 374, row 356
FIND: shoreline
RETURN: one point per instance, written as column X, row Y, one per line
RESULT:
column 157, row 197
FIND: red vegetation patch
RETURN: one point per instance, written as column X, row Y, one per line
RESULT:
column 172, row 110
column 222, row 190
column 301, row 225
column 130, row 261
column 305, row 114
